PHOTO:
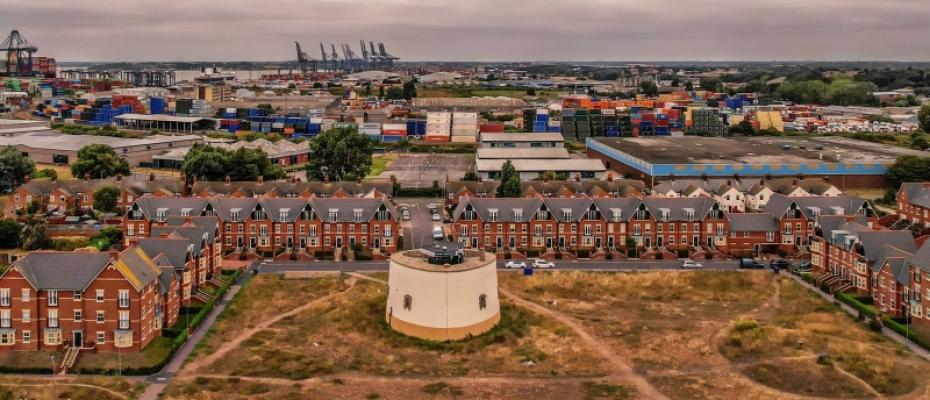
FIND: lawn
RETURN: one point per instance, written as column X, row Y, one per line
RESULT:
column 379, row 164
column 153, row 354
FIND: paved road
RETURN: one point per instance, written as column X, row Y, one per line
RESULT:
column 418, row 232
column 158, row 382
column 593, row 265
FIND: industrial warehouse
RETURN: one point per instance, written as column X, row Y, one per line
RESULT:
column 847, row 163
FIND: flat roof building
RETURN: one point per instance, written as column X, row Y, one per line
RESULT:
column 51, row 147
column 522, row 140
column 848, row 163
column 530, row 169
column 162, row 122
column 467, row 104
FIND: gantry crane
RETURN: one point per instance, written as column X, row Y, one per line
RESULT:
column 19, row 52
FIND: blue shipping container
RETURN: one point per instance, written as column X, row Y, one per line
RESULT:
column 391, row 138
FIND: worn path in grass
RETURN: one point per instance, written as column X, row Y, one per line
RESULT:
column 234, row 343
column 620, row 369
column 69, row 384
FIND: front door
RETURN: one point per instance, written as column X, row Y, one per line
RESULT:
column 376, row 243
column 597, row 242
column 647, row 241
column 474, row 242
column 695, row 241
column 78, row 338
column 513, row 242
column 238, row 242
column 290, row 242
column 251, row 243
column 303, row 242
column 338, row 241
column 659, row 241
column 610, row 242
column 710, row 242
column 500, row 242
column 548, row 242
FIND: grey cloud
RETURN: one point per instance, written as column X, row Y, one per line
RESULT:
column 477, row 29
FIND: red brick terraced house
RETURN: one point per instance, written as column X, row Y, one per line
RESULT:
column 752, row 233
column 272, row 224
column 456, row 190
column 59, row 196
column 588, row 225
column 891, row 282
column 201, row 247
column 51, row 300
column 796, row 216
column 913, row 201
column 846, row 253
column 177, row 256
column 292, row 188
column 150, row 211
column 918, row 268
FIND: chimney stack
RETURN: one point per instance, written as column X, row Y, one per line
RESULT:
column 610, row 177
column 114, row 253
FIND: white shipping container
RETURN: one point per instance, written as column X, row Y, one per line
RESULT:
column 368, row 125
column 277, row 125
column 437, row 132
column 463, row 139
column 230, row 110
column 542, row 111
column 395, row 127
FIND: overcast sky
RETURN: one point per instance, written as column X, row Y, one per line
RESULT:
column 479, row 30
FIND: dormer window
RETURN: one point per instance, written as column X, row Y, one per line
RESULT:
column 518, row 215
column 160, row 214
column 664, row 213
column 689, row 214
column 234, row 213
column 357, row 215
column 838, row 210
column 283, row 213
column 333, row 214
column 567, row 214
column 186, row 212
column 616, row 214
column 492, row 214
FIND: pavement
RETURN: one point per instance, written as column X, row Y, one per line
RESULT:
column 422, row 169
column 158, row 382
column 580, row 265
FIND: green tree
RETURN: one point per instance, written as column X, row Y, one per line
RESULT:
column 9, row 234
column 337, row 152
column 920, row 142
column 33, row 207
column 908, row 169
column 923, row 117
column 744, row 128
column 470, row 175
column 14, row 168
column 649, row 88
column 410, row 89
column 47, row 173
column 509, row 181
column 689, row 87
column 712, row 84
column 248, row 164
column 206, row 163
column 395, row 93
column 530, row 92
column 98, row 161
column 33, row 236
column 106, row 198
column 381, row 91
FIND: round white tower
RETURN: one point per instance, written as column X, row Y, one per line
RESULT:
column 442, row 292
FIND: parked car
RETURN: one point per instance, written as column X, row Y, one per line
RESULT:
column 431, row 207
column 436, row 217
column 515, row 264
column 437, row 233
column 690, row 264
column 540, row 263
column 804, row 266
column 405, row 214
column 780, row 264
column 748, row 263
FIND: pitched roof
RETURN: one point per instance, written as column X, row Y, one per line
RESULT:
column 134, row 184
column 291, row 188
column 166, row 251
column 61, row 270
column 346, row 208
column 677, row 206
column 149, row 205
column 577, row 206
column 626, row 206
column 210, row 224
column 753, row 222
column 290, row 206
column 779, row 204
column 918, row 193
column 137, row 267
column 505, row 208
column 224, row 207
column 194, row 234
column 896, row 258
column 921, row 258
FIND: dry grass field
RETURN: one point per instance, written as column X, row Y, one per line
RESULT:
column 564, row 335
column 71, row 387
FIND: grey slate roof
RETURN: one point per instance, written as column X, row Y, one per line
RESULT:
column 677, row 205
column 918, row 193
column 169, row 252
column 346, row 208
column 293, row 206
column 194, row 234
column 289, row 188
column 578, row 207
column 505, row 207
column 896, row 258
column 149, row 205
column 779, row 204
column 753, row 222
column 627, row 207
column 61, row 270
column 140, row 265
column 223, row 207
column 873, row 241
column 210, row 224
column 134, row 184
column 921, row 258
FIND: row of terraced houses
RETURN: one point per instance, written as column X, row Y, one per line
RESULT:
column 851, row 254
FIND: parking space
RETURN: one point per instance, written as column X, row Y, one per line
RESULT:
column 421, row 169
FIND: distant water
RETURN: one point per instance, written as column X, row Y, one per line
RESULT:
column 240, row 74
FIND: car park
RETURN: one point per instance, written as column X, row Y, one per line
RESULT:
column 512, row 264
column 748, row 263
column 542, row 264
column 691, row 264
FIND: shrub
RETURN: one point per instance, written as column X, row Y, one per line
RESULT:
column 746, row 325
column 868, row 310
column 609, row 256
column 901, row 329
column 659, row 256
column 682, row 253
column 875, row 325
